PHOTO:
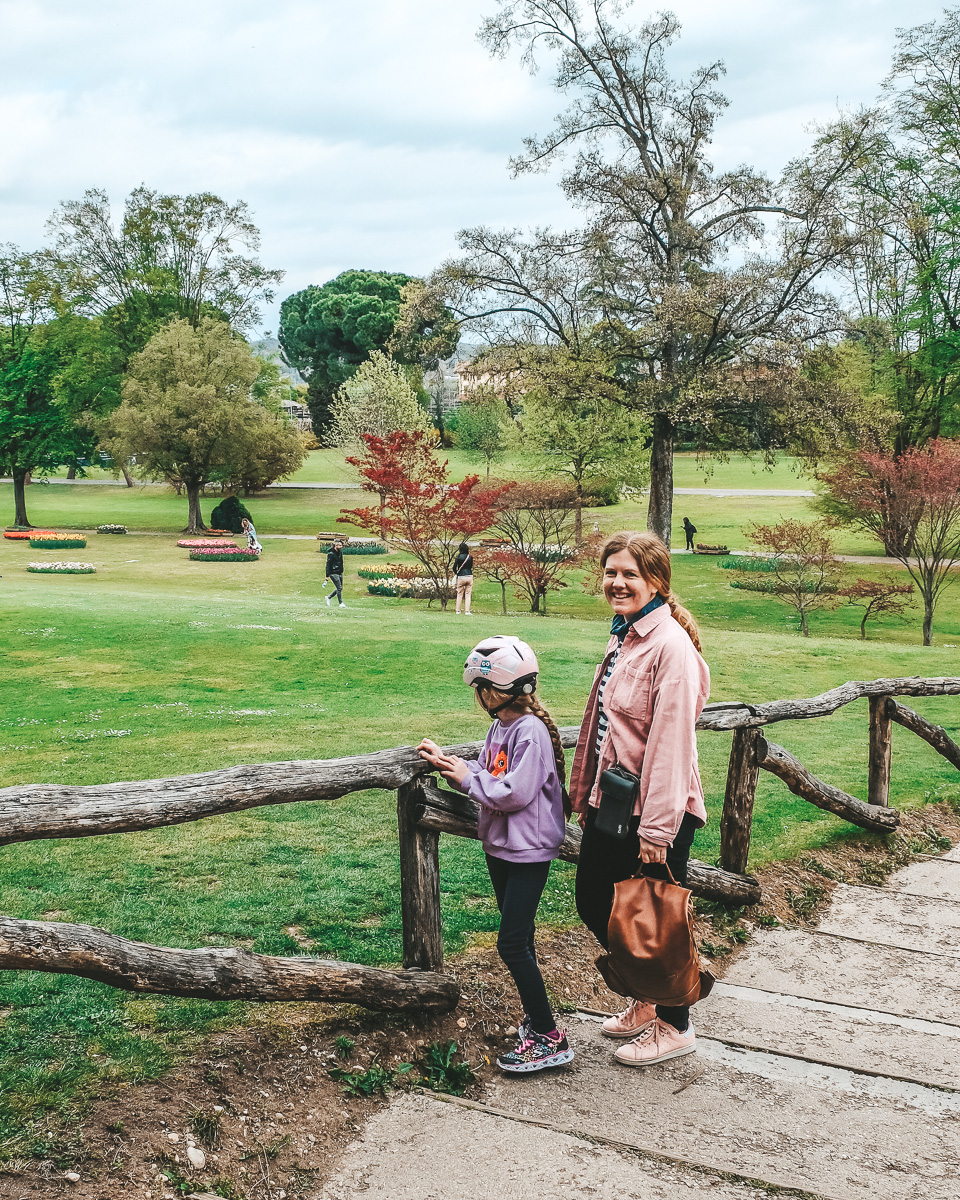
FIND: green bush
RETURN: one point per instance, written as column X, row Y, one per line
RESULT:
column 111, row 529
column 229, row 514
column 747, row 562
column 60, row 543
column 357, row 548
column 603, row 493
column 771, row 586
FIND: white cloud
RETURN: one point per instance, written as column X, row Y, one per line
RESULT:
column 367, row 134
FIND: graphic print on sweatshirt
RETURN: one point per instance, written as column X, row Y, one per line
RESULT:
column 499, row 765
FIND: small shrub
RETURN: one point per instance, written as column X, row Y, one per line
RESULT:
column 343, row 1047
column 603, row 493
column 229, row 514
column 356, row 548
column 715, row 949
column 768, row 920
column 54, row 541
column 111, row 529
column 442, row 1072
column 224, row 1186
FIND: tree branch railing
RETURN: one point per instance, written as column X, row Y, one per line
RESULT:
column 424, row 811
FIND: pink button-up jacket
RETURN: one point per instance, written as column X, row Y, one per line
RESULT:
column 654, row 695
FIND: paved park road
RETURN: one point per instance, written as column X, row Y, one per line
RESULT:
column 828, row 1065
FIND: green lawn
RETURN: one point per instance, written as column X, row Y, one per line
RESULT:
column 158, row 666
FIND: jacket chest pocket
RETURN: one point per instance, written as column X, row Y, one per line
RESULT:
column 629, row 691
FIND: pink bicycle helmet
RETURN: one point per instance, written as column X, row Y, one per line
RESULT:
column 505, row 662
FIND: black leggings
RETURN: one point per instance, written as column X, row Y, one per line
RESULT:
column 605, row 860
column 518, row 888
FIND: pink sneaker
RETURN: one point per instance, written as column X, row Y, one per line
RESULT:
column 658, row 1042
column 628, row 1023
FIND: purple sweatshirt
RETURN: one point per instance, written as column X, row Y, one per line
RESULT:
column 516, row 785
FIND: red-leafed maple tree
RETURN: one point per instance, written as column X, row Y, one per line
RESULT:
column 420, row 511
column 919, row 492
column 876, row 597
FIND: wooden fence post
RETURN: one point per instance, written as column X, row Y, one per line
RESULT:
column 742, row 775
column 881, row 738
column 419, row 886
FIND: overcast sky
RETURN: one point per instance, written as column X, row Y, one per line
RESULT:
column 366, row 134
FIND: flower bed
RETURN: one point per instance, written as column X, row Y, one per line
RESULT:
column 62, row 568
column 207, row 543
column 111, row 529
column 357, row 548
column 218, row 554
column 56, row 541
column 419, row 588
column 748, row 562
column 218, row 533
column 24, row 535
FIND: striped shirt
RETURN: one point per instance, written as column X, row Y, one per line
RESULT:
column 619, row 628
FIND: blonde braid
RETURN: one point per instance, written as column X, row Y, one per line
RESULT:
column 533, row 705
column 684, row 618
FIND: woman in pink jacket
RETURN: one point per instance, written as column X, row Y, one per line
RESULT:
column 647, row 695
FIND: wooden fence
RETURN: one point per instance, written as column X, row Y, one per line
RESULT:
column 424, row 811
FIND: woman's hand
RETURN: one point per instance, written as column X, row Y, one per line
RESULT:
column 453, row 769
column 650, row 852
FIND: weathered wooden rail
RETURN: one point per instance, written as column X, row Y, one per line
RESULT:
column 424, row 811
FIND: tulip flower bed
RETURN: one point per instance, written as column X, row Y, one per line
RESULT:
column 418, row 588
column 356, row 548
column 111, row 529
column 62, row 568
column 207, row 544
column 24, row 535
column 223, row 554
column 56, row 541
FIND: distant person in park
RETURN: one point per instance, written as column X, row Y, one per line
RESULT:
column 463, row 569
column 689, row 529
column 252, row 544
column 335, row 571
column 641, row 715
column 518, row 784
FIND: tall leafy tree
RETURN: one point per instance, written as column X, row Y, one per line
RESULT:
column 327, row 332
column 63, row 378
column 189, row 411
column 169, row 256
column 376, row 400
column 652, row 263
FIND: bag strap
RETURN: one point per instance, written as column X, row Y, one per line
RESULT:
column 642, row 875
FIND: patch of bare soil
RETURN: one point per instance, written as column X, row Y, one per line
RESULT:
column 257, row 1116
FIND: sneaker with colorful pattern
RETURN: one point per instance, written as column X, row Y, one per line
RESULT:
column 536, row 1051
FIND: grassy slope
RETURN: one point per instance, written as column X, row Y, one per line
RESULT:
column 157, row 665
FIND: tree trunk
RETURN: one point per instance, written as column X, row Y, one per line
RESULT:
column 578, row 516
column 863, row 626
column 19, row 497
column 928, row 620
column 195, row 518
column 660, row 507
column 804, row 627
column 503, row 597
column 71, row 472
column 127, row 477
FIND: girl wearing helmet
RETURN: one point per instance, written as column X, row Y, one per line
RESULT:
column 518, row 784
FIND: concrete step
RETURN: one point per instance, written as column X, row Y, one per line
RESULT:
column 823, row 967
column 421, row 1148
column 938, row 878
column 894, row 918
column 760, row 1115
column 923, row 1052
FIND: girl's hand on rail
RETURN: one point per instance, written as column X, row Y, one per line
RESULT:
column 650, row 852
column 453, row 769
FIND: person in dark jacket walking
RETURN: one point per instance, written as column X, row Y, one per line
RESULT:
column 335, row 571
column 689, row 530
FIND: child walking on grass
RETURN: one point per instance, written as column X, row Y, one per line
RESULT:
column 518, row 784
